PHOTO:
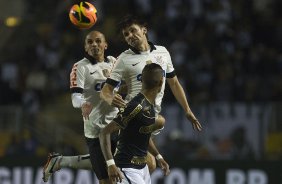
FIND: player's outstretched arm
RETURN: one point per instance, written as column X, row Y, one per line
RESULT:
column 180, row 96
column 161, row 162
column 111, row 97
column 114, row 173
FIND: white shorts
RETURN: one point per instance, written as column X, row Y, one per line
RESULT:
column 135, row 176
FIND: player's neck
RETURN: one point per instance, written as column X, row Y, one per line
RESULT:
column 144, row 47
column 100, row 58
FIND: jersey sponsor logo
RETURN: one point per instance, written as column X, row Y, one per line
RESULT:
column 132, row 114
column 73, row 76
column 136, row 63
column 147, row 129
column 98, row 87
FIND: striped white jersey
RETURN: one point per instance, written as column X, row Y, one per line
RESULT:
column 129, row 68
column 88, row 77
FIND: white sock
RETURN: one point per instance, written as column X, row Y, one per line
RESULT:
column 76, row 162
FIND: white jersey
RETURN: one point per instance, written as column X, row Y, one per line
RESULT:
column 88, row 77
column 130, row 64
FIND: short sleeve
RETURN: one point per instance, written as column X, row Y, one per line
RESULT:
column 77, row 78
column 127, row 114
column 170, row 73
column 118, row 71
column 112, row 61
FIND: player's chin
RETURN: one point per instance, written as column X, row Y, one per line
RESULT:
column 133, row 43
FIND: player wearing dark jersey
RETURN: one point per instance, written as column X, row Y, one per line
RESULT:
column 129, row 66
column 136, row 122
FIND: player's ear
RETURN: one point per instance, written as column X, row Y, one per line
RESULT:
column 106, row 46
column 144, row 30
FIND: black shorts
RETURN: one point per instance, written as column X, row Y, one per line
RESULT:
column 96, row 157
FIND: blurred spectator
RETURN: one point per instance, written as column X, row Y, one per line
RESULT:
column 241, row 148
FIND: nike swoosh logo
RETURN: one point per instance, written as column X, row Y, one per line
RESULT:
column 91, row 73
column 136, row 63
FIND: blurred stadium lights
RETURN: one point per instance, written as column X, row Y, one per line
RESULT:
column 12, row 21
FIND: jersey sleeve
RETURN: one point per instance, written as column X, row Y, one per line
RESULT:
column 112, row 61
column 77, row 79
column 170, row 73
column 127, row 114
column 118, row 71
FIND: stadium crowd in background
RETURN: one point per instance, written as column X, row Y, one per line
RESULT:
column 223, row 50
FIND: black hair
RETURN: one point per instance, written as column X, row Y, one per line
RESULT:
column 128, row 20
column 151, row 75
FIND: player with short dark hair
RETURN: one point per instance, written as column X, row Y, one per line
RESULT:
column 135, row 124
column 129, row 67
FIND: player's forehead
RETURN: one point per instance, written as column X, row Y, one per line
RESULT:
column 131, row 27
column 95, row 35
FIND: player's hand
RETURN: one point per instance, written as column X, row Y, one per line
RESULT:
column 118, row 101
column 164, row 166
column 86, row 109
column 114, row 174
column 195, row 123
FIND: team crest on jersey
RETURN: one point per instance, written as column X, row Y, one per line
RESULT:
column 159, row 60
column 106, row 73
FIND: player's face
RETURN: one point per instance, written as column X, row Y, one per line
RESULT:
column 135, row 35
column 95, row 44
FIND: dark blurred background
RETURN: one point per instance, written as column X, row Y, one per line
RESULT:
column 226, row 53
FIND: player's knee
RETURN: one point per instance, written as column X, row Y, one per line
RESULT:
column 151, row 162
column 160, row 122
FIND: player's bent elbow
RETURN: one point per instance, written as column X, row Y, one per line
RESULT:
column 160, row 122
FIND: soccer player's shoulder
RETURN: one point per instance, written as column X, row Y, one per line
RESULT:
column 111, row 59
column 160, row 48
column 134, row 106
column 81, row 63
column 126, row 53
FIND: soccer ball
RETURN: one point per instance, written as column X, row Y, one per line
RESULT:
column 83, row 15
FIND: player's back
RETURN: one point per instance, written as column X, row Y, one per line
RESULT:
column 136, row 122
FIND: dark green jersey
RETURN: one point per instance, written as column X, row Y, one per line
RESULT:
column 136, row 121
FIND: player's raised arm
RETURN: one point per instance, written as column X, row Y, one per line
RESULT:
column 180, row 96
column 114, row 99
